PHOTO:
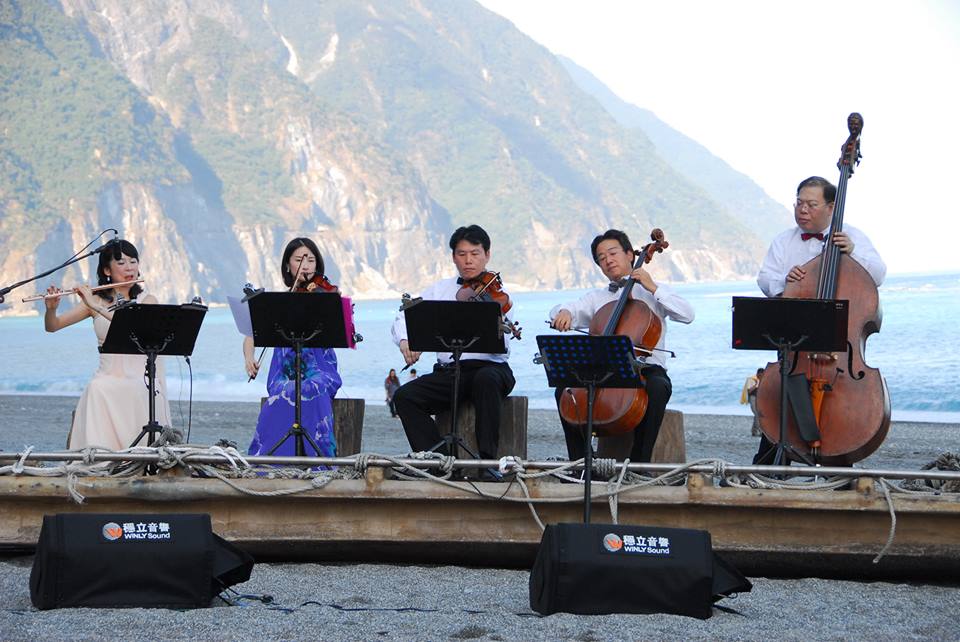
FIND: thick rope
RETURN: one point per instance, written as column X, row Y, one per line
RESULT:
column 446, row 466
column 234, row 465
column 605, row 468
column 948, row 461
column 614, row 488
column 17, row 467
column 884, row 486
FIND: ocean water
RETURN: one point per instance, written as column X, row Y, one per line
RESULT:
column 916, row 351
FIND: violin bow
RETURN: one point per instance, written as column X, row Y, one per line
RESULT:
column 263, row 350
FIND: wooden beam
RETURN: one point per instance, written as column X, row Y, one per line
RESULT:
column 778, row 532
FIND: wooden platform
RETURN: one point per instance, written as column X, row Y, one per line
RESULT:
column 771, row 532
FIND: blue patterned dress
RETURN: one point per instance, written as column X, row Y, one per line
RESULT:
column 318, row 386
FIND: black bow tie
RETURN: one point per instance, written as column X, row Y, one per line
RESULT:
column 616, row 285
column 806, row 236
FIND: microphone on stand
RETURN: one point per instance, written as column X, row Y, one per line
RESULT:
column 109, row 245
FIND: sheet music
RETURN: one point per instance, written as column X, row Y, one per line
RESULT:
column 241, row 315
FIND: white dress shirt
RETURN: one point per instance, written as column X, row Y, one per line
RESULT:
column 446, row 290
column 788, row 249
column 664, row 303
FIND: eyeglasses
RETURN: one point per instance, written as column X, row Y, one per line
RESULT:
column 810, row 205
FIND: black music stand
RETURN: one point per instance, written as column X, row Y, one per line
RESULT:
column 153, row 330
column 297, row 320
column 591, row 362
column 454, row 326
column 790, row 325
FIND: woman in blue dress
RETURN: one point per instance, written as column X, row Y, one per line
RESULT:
column 320, row 379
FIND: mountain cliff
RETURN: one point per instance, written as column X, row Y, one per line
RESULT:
column 743, row 198
column 211, row 132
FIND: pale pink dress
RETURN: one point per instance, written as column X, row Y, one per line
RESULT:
column 114, row 406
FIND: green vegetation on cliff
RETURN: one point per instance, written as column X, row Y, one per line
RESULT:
column 70, row 121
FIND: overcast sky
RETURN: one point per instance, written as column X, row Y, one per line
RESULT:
column 767, row 86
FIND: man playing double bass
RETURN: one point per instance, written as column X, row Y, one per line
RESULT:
column 813, row 212
column 485, row 379
column 613, row 254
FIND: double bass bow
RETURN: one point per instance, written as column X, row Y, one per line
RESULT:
column 850, row 401
column 619, row 410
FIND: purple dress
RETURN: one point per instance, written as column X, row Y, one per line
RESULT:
column 318, row 386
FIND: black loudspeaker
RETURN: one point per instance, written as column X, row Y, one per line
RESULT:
column 137, row 560
column 594, row 569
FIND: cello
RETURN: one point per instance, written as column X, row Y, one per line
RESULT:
column 619, row 410
column 850, row 400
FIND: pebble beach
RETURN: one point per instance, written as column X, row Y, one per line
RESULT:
column 406, row 602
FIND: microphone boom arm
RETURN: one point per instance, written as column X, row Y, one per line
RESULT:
column 74, row 259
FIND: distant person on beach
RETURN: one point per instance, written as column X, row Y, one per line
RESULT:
column 413, row 375
column 391, row 384
column 300, row 263
column 485, row 379
column 749, row 396
column 613, row 253
column 793, row 248
column 115, row 404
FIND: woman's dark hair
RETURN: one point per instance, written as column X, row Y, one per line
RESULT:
column 472, row 234
column 122, row 247
column 829, row 189
column 292, row 247
column 610, row 235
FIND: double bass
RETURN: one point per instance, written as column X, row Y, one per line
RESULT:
column 850, row 400
column 619, row 410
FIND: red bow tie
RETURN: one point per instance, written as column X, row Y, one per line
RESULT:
column 806, row 236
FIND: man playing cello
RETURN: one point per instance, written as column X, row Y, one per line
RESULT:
column 613, row 254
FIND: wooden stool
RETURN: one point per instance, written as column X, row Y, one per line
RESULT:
column 513, row 426
column 670, row 448
column 347, row 424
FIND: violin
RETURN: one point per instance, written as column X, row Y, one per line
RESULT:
column 488, row 287
column 321, row 284
column 317, row 283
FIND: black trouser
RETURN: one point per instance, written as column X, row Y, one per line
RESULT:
column 659, row 388
column 485, row 383
column 765, row 452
